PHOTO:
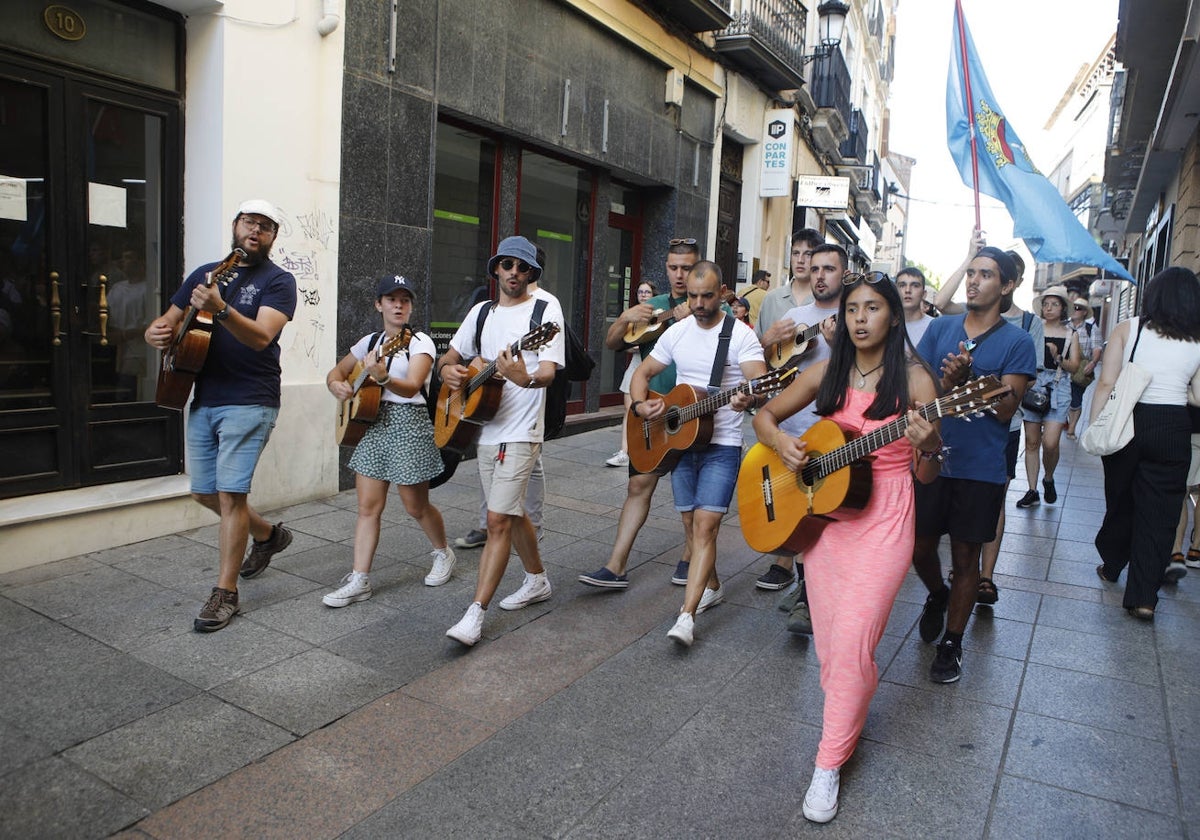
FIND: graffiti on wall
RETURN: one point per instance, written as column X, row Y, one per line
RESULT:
column 305, row 248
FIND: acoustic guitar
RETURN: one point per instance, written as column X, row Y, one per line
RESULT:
column 780, row 353
column 462, row 412
column 360, row 412
column 784, row 510
column 184, row 358
column 655, row 446
column 649, row 331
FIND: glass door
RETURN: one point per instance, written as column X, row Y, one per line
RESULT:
column 86, row 177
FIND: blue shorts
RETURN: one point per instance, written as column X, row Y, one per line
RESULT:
column 224, row 442
column 705, row 478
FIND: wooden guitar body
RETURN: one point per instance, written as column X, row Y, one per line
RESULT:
column 358, row 413
column 656, row 446
column 461, row 413
column 780, row 354
column 181, row 362
column 780, row 512
column 650, row 331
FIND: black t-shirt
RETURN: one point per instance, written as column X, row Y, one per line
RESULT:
column 233, row 373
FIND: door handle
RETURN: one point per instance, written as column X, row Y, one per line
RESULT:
column 102, row 309
column 55, row 311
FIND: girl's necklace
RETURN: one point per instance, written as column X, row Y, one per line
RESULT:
column 862, row 377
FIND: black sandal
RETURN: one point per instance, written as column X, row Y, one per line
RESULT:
column 987, row 593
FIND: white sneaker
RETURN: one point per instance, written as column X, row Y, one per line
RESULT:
column 820, row 803
column 682, row 631
column 356, row 586
column 443, row 565
column 620, row 458
column 469, row 627
column 1192, row 562
column 710, row 598
column 535, row 588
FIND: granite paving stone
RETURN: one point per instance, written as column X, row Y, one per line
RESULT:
column 209, row 659
column 1103, row 655
column 167, row 755
column 1026, row 808
column 55, row 800
column 1100, row 702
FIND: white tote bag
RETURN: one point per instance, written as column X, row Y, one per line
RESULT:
column 1113, row 427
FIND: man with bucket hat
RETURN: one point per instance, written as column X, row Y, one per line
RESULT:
column 509, row 443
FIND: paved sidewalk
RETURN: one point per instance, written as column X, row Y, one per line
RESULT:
column 576, row 717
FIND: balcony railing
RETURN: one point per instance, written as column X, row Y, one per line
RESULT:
column 855, row 147
column 831, row 84
column 766, row 39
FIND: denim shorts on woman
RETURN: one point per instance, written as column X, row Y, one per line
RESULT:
column 224, row 443
column 705, row 478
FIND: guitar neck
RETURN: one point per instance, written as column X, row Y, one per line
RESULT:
column 713, row 402
column 489, row 370
column 861, row 447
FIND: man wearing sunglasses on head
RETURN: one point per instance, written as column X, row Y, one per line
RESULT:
column 682, row 255
column 236, row 399
column 967, row 497
column 511, row 442
column 826, row 269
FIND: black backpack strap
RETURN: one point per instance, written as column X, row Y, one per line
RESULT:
column 714, row 381
column 1026, row 320
column 484, row 311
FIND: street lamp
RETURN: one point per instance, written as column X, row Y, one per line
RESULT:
column 894, row 190
column 832, row 14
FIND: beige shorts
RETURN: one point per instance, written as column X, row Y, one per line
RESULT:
column 504, row 479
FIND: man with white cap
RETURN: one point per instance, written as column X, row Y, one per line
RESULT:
column 236, row 399
column 511, row 442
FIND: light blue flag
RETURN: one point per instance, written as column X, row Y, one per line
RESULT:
column 1040, row 215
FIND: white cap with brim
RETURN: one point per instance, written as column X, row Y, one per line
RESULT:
column 258, row 207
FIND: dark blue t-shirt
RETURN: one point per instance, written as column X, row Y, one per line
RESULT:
column 234, row 374
column 977, row 447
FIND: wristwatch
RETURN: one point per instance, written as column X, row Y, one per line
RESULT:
column 223, row 314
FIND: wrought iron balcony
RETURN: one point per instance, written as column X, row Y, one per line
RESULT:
column 695, row 15
column 766, row 41
column 831, row 85
column 854, row 149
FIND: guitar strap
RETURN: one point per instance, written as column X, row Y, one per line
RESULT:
column 714, row 381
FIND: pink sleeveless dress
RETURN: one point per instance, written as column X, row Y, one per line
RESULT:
column 853, row 574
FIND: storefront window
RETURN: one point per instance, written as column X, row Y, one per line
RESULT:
column 462, row 227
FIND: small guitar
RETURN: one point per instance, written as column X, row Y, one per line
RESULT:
column 462, row 412
column 657, row 445
column 181, row 362
column 649, row 331
column 785, row 510
column 784, row 351
column 358, row 413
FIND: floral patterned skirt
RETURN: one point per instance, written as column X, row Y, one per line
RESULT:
column 399, row 446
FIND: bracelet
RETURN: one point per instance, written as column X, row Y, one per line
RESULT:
column 938, row 454
column 532, row 383
column 633, row 407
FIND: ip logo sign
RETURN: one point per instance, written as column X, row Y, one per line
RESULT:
column 776, row 129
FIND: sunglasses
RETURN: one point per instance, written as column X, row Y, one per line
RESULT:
column 870, row 278
column 674, row 242
column 508, row 262
column 1080, row 306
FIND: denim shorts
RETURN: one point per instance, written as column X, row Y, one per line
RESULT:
column 704, row 479
column 224, row 443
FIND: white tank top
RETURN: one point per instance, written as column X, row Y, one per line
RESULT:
column 1171, row 361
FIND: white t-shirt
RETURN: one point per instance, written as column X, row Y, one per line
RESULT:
column 693, row 350
column 397, row 364
column 917, row 328
column 520, row 416
column 809, row 315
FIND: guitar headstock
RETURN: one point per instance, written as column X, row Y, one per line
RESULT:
column 974, row 397
column 397, row 342
column 540, row 336
column 774, row 381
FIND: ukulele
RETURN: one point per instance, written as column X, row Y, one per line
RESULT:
column 657, row 445
column 785, row 510
column 649, row 331
column 782, row 352
column 358, row 413
column 184, row 358
column 462, row 412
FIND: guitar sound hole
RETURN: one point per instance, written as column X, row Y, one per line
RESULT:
column 672, row 420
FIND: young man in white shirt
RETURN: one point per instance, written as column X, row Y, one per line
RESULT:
column 511, row 442
column 704, row 479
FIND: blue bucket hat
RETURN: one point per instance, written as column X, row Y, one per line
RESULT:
column 520, row 248
column 395, row 283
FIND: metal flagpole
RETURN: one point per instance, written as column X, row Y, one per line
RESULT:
column 970, row 103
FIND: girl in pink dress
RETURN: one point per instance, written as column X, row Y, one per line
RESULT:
column 854, row 570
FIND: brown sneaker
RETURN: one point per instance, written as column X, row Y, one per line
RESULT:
column 221, row 606
column 260, row 555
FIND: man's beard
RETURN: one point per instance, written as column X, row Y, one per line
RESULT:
column 516, row 293
column 253, row 256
